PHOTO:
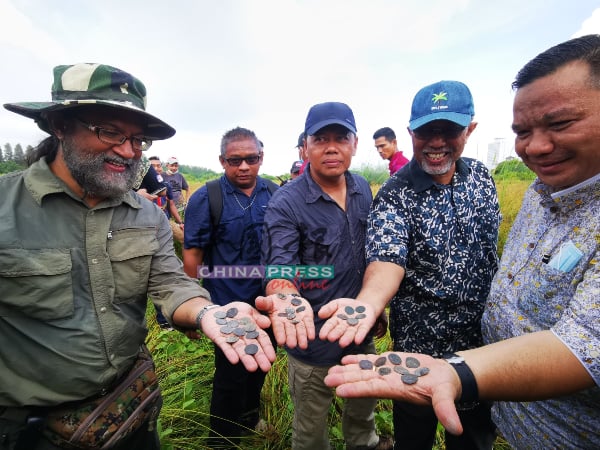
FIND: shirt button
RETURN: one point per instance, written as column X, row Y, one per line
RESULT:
column 94, row 261
column 103, row 309
column 510, row 276
column 112, row 356
column 531, row 245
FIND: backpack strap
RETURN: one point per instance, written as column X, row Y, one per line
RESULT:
column 215, row 202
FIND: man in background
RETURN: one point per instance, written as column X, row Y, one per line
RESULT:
column 387, row 147
column 179, row 185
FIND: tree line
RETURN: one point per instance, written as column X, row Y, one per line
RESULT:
column 13, row 158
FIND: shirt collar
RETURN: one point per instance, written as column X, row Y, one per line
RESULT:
column 315, row 191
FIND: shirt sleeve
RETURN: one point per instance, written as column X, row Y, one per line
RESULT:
column 198, row 228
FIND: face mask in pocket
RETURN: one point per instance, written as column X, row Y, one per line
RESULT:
column 567, row 257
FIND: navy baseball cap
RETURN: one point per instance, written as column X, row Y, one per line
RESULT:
column 300, row 140
column 444, row 100
column 296, row 166
column 329, row 113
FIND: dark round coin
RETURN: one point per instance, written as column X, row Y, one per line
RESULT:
column 232, row 312
column 365, row 364
column 352, row 321
column 342, row 316
column 360, row 309
column 233, row 323
column 380, row 361
column 295, row 321
column 252, row 334
column 409, row 378
column 232, row 339
column 421, row 371
column 384, row 370
column 282, row 314
column 296, row 301
column 412, row 363
column 220, row 314
column 239, row 331
column 221, row 321
column 395, row 359
column 300, row 308
column 251, row 349
column 360, row 316
column 401, row 370
column 349, row 310
column 291, row 316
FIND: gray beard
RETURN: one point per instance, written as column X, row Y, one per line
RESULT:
column 87, row 168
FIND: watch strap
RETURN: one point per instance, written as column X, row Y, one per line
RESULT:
column 202, row 313
column 469, row 390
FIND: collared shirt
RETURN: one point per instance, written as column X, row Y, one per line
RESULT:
column 74, row 287
column 445, row 237
column 177, row 182
column 305, row 226
column 397, row 162
column 236, row 242
column 530, row 293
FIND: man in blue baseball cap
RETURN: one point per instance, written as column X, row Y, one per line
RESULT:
column 431, row 254
column 318, row 222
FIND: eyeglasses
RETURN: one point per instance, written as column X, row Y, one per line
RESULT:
column 250, row 160
column 117, row 138
column 425, row 134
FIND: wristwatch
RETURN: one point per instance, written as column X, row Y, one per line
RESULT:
column 201, row 315
column 469, row 397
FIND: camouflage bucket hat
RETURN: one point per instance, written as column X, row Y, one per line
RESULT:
column 89, row 84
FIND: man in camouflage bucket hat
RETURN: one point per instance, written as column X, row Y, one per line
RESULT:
column 80, row 253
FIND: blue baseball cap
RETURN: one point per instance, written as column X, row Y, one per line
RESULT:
column 329, row 113
column 444, row 100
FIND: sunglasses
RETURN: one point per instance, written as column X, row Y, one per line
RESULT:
column 425, row 134
column 250, row 160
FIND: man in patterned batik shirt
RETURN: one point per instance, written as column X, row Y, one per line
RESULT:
column 431, row 250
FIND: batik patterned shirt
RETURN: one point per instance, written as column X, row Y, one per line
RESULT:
column 549, row 279
column 445, row 238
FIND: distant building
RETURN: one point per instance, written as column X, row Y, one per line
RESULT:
column 496, row 153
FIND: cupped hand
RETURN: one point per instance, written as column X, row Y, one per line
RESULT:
column 292, row 319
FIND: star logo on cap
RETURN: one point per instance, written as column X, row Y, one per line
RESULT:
column 439, row 97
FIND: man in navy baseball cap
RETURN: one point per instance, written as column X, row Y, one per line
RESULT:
column 323, row 114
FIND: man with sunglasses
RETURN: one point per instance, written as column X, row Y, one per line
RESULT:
column 234, row 241
column 431, row 253
column 80, row 254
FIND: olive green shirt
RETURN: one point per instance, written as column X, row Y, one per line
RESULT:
column 74, row 285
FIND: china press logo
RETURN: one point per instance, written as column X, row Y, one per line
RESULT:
column 288, row 272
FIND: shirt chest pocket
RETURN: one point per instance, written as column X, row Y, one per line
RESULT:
column 130, row 251
column 36, row 283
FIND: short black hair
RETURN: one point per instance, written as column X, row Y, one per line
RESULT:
column 584, row 48
column 385, row 132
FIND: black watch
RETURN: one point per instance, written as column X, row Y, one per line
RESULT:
column 469, row 397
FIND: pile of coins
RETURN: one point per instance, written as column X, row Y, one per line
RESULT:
column 290, row 311
column 235, row 329
column 406, row 375
column 353, row 315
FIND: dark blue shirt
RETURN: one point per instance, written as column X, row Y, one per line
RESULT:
column 236, row 239
column 304, row 226
column 445, row 237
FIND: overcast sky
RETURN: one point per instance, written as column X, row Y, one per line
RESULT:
column 210, row 66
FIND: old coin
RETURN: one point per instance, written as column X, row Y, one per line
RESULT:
column 221, row 321
column 412, row 363
column 352, row 321
column 380, row 361
column 282, row 296
column 360, row 309
column 384, row 370
column 296, row 301
column 342, row 316
column 365, row 364
column 349, row 310
column 231, row 339
column 421, row 371
column 409, row 378
column 220, row 314
column 300, row 308
column 251, row 349
column 401, row 370
column 239, row 331
column 252, row 334
column 360, row 316
column 232, row 312
column 395, row 359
